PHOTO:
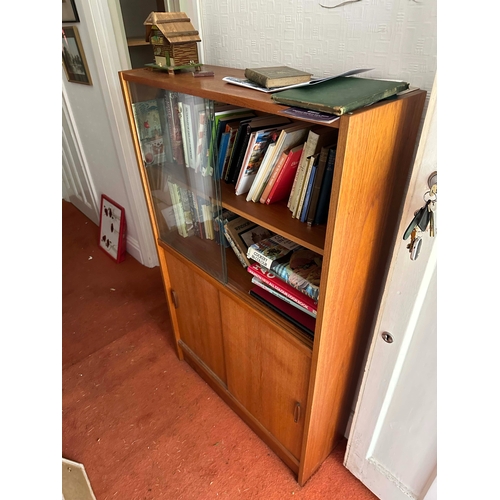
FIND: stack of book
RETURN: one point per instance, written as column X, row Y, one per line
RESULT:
column 287, row 278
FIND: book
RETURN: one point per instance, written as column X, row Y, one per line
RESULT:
column 177, row 208
column 280, row 187
column 326, row 189
column 251, row 195
column 300, row 319
column 302, row 270
column 167, row 146
column 323, row 156
column 318, row 136
column 290, row 136
column 307, row 197
column 223, row 147
column 274, row 281
column 245, row 82
column 305, row 184
column 256, row 149
column 269, row 250
column 174, row 127
column 242, row 138
column 340, row 95
column 148, row 126
column 223, row 117
column 241, row 234
column 221, row 219
column 271, row 290
column 277, row 76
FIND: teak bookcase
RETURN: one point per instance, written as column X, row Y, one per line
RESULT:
column 295, row 393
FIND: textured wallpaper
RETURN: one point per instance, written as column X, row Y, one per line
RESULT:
column 395, row 37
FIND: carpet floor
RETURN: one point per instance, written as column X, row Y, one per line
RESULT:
column 143, row 423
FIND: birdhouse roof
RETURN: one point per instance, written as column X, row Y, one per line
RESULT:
column 175, row 26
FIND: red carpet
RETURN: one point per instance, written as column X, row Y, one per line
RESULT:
column 143, row 424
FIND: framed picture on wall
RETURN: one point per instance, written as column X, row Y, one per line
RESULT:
column 69, row 12
column 112, row 229
column 73, row 57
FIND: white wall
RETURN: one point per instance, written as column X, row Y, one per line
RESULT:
column 395, row 37
column 100, row 121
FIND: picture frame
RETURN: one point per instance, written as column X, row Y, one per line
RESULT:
column 112, row 229
column 73, row 57
column 69, row 12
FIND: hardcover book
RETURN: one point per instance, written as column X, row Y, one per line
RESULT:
column 276, row 76
column 242, row 138
column 267, row 251
column 281, row 185
column 307, row 197
column 318, row 181
column 326, row 190
column 275, row 282
column 256, row 149
column 300, row 319
column 148, row 125
column 302, row 270
column 271, row 290
column 174, row 126
column 340, row 95
column 290, row 136
column 318, row 136
column 241, row 234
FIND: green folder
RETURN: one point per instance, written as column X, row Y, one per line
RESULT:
column 339, row 95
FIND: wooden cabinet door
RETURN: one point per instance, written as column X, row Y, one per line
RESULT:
column 198, row 315
column 266, row 373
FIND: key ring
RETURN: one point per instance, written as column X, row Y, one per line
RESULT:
column 429, row 196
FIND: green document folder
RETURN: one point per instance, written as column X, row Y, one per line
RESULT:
column 339, row 95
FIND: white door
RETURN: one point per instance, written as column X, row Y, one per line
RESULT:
column 77, row 186
column 392, row 442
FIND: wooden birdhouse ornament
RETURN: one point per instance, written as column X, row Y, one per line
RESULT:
column 174, row 41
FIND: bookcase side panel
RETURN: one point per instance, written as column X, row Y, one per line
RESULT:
column 375, row 151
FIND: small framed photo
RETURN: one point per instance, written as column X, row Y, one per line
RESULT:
column 69, row 12
column 73, row 57
column 112, row 229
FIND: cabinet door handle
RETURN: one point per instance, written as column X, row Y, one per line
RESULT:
column 175, row 300
column 296, row 413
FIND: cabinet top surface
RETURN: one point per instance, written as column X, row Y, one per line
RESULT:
column 213, row 87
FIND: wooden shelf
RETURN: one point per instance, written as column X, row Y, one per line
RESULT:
column 136, row 42
column 275, row 217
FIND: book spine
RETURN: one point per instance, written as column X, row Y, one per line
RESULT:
column 178, row 208
column 190, row 138
column 317, row 184
column 182, row 122
column 275, row 284
column 174, row 126
column 194, row 214
column 254, row 253
column 188, row 215
column 286, row 299
column 305, row 189
column 274, row 176
column 256, row 77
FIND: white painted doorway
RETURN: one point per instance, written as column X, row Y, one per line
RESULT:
column 392, row 444
column 76, row 182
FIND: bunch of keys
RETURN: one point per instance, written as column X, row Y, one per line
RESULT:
column 424, row 218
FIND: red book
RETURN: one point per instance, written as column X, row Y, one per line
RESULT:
column 284, row 180
column 282, row 287
column 300, row 319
